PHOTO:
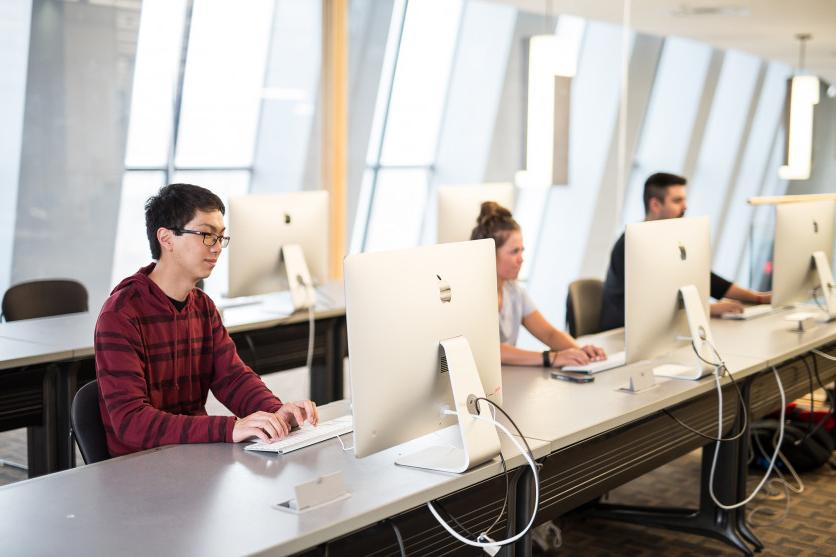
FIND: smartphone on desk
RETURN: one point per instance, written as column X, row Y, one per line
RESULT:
column 572, row 376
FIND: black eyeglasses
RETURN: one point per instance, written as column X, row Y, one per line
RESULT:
column 209, row 239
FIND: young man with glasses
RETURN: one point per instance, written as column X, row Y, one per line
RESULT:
column 161, row 345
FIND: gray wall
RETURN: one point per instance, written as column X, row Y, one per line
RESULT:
column 14, row 54
column 81, row 60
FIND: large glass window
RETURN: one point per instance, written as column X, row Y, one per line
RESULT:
column 258, row 85
column 132, row 248
column 289, row 100
column 721, row 143
column 397, row 209
column 529, row 208
column 223, row 82
column 670, row 117
column 409, row 122
column 155, row 81
column 570, row 210
column 734, row 227
column 420, row 85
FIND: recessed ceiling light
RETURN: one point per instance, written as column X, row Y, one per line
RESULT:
column 710, row 10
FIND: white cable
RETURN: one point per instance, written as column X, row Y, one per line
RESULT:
column 824, row 355
column 340, row 439
column 781, row 481
column 720, row 435
column 533, row 466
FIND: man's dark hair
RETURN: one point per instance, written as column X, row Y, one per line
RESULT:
column 173, row 207
column 656, row 186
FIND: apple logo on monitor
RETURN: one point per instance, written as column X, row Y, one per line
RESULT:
column 287, row 218
column 444, row 289
column 815, row 227
column 683, row 255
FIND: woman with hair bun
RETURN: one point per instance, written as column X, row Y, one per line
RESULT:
column 515, row 305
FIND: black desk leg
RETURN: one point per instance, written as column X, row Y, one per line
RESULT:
column 339, row 351
column 41, row 440
column 523, row 503
column 743, row 472
column 709, row 519
column 67, row 385
column 327, row 374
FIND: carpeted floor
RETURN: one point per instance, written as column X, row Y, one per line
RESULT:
column 809, row 528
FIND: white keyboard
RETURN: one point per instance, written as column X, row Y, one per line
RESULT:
column 616, row 359
column 750, row 312
column 306, row 435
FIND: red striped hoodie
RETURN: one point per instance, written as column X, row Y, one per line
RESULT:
column 155, row 366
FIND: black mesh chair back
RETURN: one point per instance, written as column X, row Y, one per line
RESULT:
column 44, row 298
column 87, row 426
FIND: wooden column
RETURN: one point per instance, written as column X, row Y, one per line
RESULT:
column 334, row 89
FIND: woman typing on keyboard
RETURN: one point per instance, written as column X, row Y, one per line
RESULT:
column 516, row 307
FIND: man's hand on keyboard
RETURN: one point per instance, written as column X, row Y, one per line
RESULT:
column 267, row 426
column 297, row 412
column 595, row 353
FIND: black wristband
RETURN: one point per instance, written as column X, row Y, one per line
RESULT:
column 547, row 359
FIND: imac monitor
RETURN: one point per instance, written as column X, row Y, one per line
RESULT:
column 458, row 207
column 663, row 259
column 802, row 230
column 263, row 228
column 400, row 307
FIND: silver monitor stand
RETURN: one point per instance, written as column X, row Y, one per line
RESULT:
column 828, row 288
column 700, row 336
column 302, row 292
column 479, row 440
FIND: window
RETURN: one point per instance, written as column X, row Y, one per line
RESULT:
column 569, row 211
column 223, row 82
column 723, row 136
column 670, row 117
column 408, row 124
column 155, row 80
column 735, row 226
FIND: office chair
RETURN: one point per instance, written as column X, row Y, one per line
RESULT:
column 43, row 298
column 86, row 424
column 583, row 307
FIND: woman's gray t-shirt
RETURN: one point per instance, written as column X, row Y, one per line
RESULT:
column 516, row 304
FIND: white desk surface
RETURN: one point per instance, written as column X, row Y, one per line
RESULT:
column 273, row 309
column 593, row 408
column 17, row 353
column 216, row 499
column 769, row 337
column 564, row 413
column 73, row 333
